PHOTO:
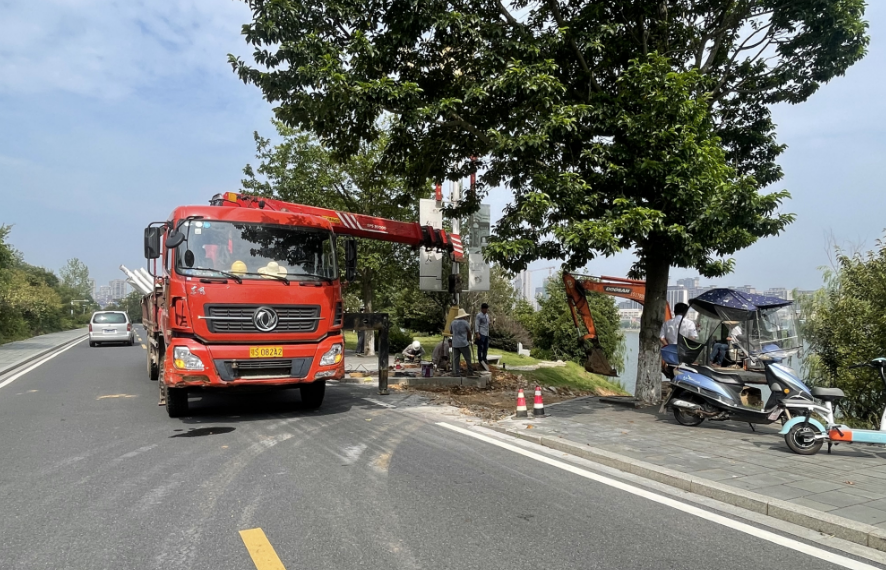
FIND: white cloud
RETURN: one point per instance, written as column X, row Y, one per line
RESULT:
column 108, row 49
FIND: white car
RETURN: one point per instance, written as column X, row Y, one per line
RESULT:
column 110, row 326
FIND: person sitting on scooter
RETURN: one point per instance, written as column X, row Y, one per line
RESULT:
column 668, row 334
column 718, row 354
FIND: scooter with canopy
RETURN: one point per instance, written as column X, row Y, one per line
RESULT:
column 761, row 338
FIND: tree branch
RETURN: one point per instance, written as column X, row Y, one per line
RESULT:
column 555, row 10
column 504, row 12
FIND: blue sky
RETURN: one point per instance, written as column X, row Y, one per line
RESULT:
column 112, row 113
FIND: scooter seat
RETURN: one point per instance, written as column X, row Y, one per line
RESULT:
column 721, row 377
column 828, row 393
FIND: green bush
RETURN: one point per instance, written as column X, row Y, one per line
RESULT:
column 846, row 325
column 507, row 333
column 398, row 339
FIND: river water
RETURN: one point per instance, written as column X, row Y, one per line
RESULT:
column 628, row 377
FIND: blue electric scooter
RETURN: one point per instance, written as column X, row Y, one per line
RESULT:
column 805, row 435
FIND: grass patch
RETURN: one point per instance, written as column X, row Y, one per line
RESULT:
column 575, row 377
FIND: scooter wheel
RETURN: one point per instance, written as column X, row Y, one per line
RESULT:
column 685, row 418
column 801, row 439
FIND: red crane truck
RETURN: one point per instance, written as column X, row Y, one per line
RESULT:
column 247, row 293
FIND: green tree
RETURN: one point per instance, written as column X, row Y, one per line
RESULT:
column 553, row 330
column 846, row 325
column 616, row 125
column 75, row 276
column 300, row 169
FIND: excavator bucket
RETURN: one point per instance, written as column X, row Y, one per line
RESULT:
column 597, row 363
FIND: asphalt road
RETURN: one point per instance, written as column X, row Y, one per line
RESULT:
column 94, row 475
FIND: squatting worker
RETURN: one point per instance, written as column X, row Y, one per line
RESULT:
column 461, row 341
column 668, row 334
column 413, row 352
column 440, row 356
column 481, row 332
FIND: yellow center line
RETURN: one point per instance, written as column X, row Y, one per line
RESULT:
column 263, row 555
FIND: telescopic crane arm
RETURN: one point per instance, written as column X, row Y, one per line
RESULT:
column 357, row 225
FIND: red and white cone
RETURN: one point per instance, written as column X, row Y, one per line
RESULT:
column 521, row 405
column 538, row 408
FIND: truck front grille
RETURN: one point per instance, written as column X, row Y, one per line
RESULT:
column 238, row 318
column 263, row 368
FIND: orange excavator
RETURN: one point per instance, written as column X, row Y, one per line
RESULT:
column 577, row 287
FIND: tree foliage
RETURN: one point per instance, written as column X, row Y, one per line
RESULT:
column 615, row 125
column 846, row 325
column 33, row 300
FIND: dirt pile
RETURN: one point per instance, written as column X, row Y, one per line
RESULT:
column 499, row 399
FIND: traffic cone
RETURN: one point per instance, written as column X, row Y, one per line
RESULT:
column 521, row 405
column 538, row 408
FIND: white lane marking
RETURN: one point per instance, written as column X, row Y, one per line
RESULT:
column 137, row 452
column 673, row 503
column 12, row 379
column 379, row 403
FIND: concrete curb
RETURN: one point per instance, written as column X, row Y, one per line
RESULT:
column 41, row 354
column 859, row 533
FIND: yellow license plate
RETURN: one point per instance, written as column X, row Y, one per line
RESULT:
column 265, row 351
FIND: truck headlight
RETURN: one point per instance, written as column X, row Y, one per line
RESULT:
column 184, row 359
column 332, row 356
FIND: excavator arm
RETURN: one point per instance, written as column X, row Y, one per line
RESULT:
column 357, row 225
column 577, row 288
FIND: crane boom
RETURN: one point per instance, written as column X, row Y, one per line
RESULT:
column 357, row 225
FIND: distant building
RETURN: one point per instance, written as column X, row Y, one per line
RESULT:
column 677, row 294
column 118, row 289
column 688, row 283
column 630, row 305
column 779, row 292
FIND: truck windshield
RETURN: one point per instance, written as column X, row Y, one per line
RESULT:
column 255, row 251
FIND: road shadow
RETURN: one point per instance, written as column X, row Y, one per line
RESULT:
column 238, row 407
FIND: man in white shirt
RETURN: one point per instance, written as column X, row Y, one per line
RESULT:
column 669, row 329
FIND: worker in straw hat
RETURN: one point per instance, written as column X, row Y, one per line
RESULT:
column 461, row 343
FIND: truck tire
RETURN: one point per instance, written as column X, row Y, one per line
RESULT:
column 153, row 369
column 176, row 402
column 312, row 394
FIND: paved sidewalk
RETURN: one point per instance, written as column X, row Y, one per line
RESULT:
column 15, row 354
column 849, row 483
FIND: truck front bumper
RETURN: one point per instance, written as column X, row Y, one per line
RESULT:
column 231, row 365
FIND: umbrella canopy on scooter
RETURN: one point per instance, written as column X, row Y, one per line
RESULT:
column 732, row 305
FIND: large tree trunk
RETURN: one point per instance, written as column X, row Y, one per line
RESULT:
column 648, row 387
column 369, row 347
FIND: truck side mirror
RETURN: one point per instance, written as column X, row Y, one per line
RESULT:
column 152, row 243
column 174, row 239
column 350, row 260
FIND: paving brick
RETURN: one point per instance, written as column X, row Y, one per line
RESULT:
column 815, row 486
column 782, row 492
column 838, row 499
column 861, row 513
column 813, row 504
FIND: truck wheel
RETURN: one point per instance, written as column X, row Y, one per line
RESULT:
column 176, row 402
column 800, row 439
column 153, row 369
column 312, row 394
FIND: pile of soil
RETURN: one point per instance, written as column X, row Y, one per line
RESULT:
column 499, row 399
